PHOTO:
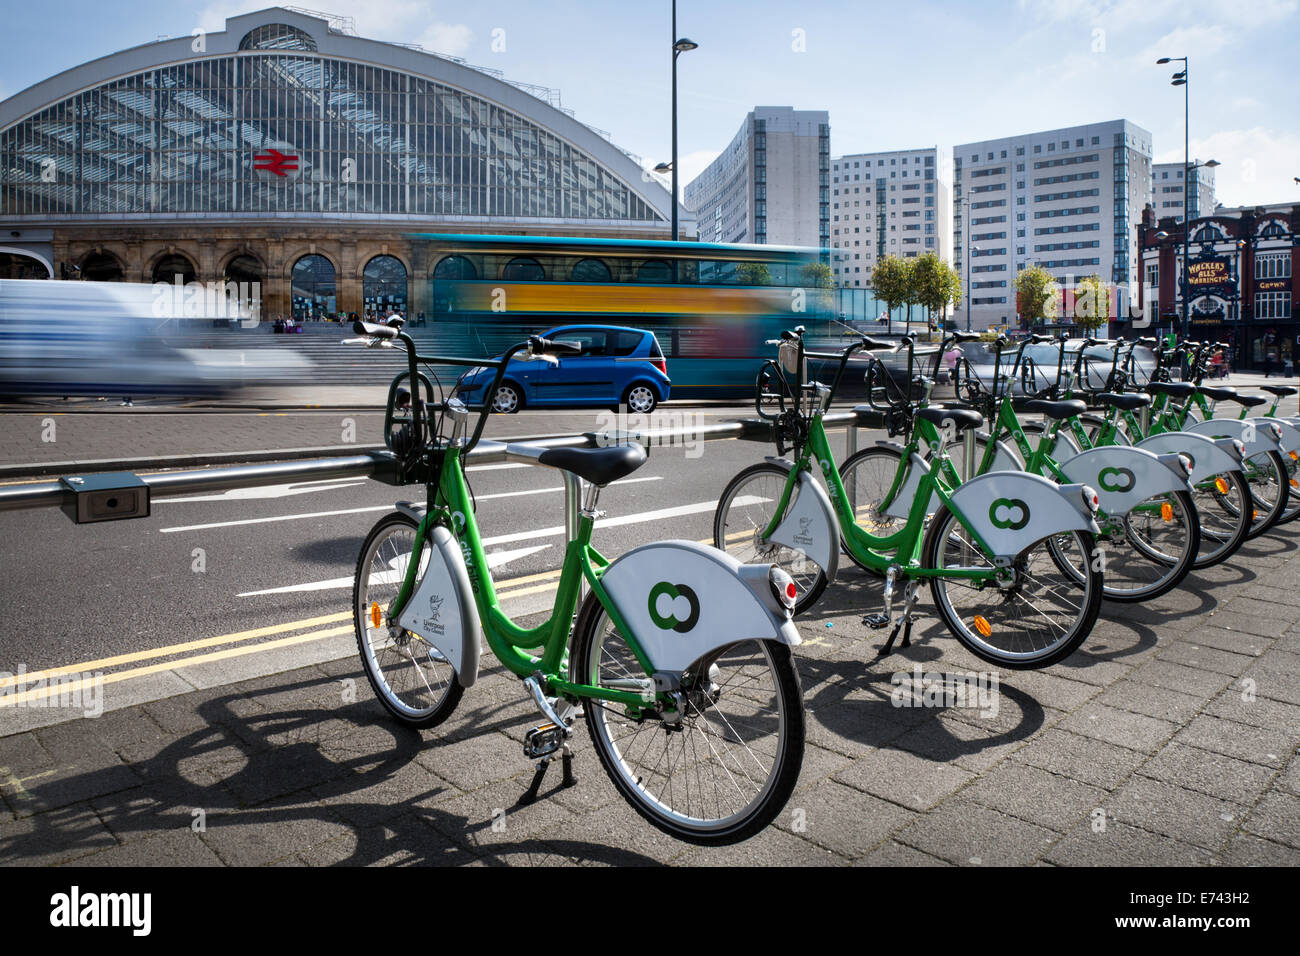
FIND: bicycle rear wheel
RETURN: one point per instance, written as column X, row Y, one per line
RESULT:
column 413, row 681
column 1148, row 551
column 1223, row 506
column 745, row 509
column 1270, row 487
column 728, row 767
column 1037, row 617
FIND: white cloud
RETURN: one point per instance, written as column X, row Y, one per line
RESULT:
column 447, row 38
column 1258, row 165
column 1191, row 42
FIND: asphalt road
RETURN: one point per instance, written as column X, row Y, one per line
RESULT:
column 135, row 598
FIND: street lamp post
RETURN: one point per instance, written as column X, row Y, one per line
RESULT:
column 1180, row 79
column 680, row 45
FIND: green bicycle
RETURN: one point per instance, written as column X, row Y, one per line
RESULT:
column 679, row 658
column 984, row 553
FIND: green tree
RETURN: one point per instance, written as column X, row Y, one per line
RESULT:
column 1092, row 303
column 1036, row 295
column 817, row 275
column 936, row 284
column 892, row 280
column 753, row 273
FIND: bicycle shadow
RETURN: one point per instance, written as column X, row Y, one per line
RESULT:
column 858, row 695
column 346, row 773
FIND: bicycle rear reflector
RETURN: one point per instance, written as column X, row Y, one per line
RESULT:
column 1166, row 511
column 982, row 625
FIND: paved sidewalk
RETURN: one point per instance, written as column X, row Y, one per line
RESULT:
column 1170, row 740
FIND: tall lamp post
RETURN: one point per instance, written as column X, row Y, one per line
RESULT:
column 1180, row 79
column 680, row 45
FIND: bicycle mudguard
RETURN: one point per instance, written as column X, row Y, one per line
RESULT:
column 1064, row 448
column 1006, row 458
column 1259, row 435
column 1290, row 438
column 442, row 608
column 1209, row 456
column 682, row 599
column 1011, row 510
column 810, row 528
column 1124, row 477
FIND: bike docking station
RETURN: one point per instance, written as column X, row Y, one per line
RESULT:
column 117, row 496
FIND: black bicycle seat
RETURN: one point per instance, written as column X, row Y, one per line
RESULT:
column 1172, row 389
column 1065, row 408
column 599, row 466
column 960, row 417
column 1281, row 391
column 1249, row 401
column 1125, row 401
column 1218, row 394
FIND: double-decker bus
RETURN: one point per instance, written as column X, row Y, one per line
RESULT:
column 712, row 306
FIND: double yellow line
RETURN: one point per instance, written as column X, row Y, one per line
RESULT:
column 12, row 692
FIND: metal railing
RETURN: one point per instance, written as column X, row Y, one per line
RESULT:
column 383, row 465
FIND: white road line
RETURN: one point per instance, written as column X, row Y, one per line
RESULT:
column 355, row 511
column 496, row 559
column 273, row 491
column 662, row 514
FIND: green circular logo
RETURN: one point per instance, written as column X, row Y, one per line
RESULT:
column 672, row 592
column 1116, row 479
column 1010, row 513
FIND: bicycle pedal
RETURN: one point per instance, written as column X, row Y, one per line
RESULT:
column 543, row 740
column 876, row 622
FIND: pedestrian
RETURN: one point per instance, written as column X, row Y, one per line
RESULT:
column 1269, row 358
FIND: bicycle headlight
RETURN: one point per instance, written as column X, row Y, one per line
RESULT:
column 1274, row 429
column 1240, row 447
column 1090, row 500
column 1186, row 464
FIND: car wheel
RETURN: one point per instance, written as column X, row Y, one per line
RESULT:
column 641, row 399
column 507, row 399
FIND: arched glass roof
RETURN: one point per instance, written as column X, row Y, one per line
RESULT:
column 274, row 131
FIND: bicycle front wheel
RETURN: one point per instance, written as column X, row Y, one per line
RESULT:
column 867, row 477
column 745, row 509
column 413, row 681
column 1037, row 615
column 724, row 770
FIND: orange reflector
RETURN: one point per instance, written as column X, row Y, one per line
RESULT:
column 1254, row 516
column 1294, row 455
column 983, row 626
column 376, row 618
column 1167, row 511
column 1221, row 485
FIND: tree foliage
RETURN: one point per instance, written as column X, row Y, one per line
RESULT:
column 1092, row 303
column 753, row 273
column 1036, row 295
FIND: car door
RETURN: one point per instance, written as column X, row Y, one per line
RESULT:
column 587, row 377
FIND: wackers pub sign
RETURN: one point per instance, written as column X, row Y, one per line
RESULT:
column 1209, row 272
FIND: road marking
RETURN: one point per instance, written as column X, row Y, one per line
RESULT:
column 275, row 491
column 235, row 638
column 662, row 514
column 73, row 687
column 353, row 511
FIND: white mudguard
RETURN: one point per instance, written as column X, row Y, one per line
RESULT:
column 1209, row 456
column 1065, row 448
column 1257, row 434
column 1004, row 459
column 1290, row 440
column 442, row 609
column 1124, row 477
column 1011, row 510
column 809, row 525
column 681, row 600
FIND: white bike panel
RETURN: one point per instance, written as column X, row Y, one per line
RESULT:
column 1208, row 457
column 709, row 589
column 1004, row 459
column 442, row 609
column 1010, row 510
column 1124, row 477
column 1290, row 440
column 810, row 527
column 1251, row 432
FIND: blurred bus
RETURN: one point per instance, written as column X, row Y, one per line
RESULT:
column 712, row 306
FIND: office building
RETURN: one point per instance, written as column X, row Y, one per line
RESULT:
column 1167, row 190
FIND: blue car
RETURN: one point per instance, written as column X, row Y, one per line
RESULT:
column 617, row 366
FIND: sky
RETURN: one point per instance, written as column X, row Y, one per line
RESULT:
column 895, row 75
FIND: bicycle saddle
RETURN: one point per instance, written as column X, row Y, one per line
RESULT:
column 1249, row 401
column 599, row 466
column 960, row 417
column 1218, row 394
column 1125, row 401
column 1172, row 389
column 1281, row 391
column 1065, row 408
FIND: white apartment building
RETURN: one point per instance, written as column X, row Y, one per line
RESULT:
column 892, row 203
column 1068, row 200
column 1167, row 190
column 771, row 184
